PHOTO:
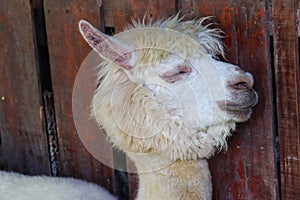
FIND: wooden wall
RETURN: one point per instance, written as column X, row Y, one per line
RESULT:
column 41, row 51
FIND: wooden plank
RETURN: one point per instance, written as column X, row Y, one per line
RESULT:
column 187, row 8
column 118, row 14
column 247, row 169
column 67, row 51
column 23, row 145
column 287, row 77
column 298, row 18
column 133, row 181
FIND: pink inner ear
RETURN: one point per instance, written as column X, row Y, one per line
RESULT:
column 176, row 74
column 90, row 35
column 105, row 47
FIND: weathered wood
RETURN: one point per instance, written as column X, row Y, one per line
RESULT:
column 132, row 179
column 186, row 8
column 247, row 169
column 51, row 131
column 23, row 144
column 67, row 51
column 298, row 18
column 120, row 13
column 287, row 77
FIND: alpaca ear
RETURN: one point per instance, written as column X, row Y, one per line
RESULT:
column 107, row 47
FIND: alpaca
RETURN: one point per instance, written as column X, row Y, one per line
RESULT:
column 165, row 99
column 14, row 186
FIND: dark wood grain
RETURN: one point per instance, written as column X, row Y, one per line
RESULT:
column 186, row 8
column 247, row 169
column 286, row 63
column 23, row 144
column 67, row 51
column 120, row 13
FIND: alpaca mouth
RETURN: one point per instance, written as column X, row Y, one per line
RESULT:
column 240, row 108
column 240, row 115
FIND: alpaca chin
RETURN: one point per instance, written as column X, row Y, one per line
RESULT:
column 220, row 133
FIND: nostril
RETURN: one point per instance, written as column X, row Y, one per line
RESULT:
column 240, row 86
column 242, row 82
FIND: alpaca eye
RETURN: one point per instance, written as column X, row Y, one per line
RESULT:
column 182, row 72
column 177, row 74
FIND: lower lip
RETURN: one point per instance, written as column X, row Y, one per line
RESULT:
column 242, row 113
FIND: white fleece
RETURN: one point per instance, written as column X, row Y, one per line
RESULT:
column 14, row 186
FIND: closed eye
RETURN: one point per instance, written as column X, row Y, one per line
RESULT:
column 177, row 74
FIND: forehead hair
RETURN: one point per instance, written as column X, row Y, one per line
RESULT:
column 154, row 41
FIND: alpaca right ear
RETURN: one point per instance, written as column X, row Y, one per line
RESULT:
column 107, row 47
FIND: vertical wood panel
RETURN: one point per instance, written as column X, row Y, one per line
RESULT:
column 186, row 8
column 286, row 63
column 67, row 51
column 257, row 134
column 119, row 13
column 247, row 169
column 23, row 145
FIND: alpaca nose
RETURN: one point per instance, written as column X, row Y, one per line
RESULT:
column 242, row 82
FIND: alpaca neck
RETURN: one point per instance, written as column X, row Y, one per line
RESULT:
column 179, row 180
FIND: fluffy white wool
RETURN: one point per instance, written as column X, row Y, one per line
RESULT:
column 14, row 186
column 130, row 108
column 167, row 123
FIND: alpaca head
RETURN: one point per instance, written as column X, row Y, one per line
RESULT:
column 164, row 74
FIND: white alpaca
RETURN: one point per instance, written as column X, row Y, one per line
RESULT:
column 168, row 103
column 15, row 186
